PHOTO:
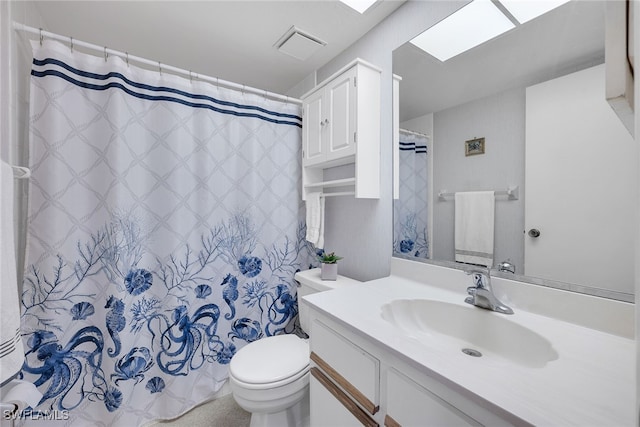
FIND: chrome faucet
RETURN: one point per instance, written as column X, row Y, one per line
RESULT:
column 481, row 294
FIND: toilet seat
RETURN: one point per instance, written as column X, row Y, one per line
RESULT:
column 270, row 362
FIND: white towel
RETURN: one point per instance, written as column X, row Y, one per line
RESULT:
column 11, row 350
column 315, row 219
column 474, row 224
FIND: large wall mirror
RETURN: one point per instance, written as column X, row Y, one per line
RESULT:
column 523, row 115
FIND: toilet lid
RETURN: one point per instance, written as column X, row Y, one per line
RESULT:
column 270, row 359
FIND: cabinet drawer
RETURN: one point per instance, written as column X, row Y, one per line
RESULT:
column 355, row 370
column 409, row 404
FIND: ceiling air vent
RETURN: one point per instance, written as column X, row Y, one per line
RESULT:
column 299, row 44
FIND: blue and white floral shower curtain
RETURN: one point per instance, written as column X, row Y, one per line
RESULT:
column 411, row 209
column 164, row 230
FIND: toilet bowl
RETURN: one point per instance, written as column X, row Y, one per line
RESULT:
column 270, row 377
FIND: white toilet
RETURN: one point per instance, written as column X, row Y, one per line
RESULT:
column 270, row 377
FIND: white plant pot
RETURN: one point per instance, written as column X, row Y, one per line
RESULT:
column 328, row 271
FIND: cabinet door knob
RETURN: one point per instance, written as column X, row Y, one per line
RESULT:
column 534, row 232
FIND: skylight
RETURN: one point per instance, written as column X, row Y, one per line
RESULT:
column 470, row 26
column 478, row 22
column 526, row 10
column 359, row 5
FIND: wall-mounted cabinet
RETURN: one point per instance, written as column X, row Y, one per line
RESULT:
column 341, row 125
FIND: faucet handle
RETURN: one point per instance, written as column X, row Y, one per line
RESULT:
column 481, row 277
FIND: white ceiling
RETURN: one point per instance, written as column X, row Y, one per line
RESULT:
column 564, row 40
column 231, row 40
column 234, row 40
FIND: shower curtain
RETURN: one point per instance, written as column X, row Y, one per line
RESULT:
column 411, row 209
column 164, row 230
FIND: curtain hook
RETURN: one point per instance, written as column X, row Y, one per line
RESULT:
column 127, row 54
column 41, row 37
column 160, row 67
column 190, row 77
column 106, row 55
column 71, row 44
column 265, row 95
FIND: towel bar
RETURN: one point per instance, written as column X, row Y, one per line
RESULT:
column 512, row 193
column 340, row 193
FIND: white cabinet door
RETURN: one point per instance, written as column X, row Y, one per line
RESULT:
column 329, row 121
column 314, row 128
column 340, row 112
column 359, row 370
column 410, row 404
column 331, row 407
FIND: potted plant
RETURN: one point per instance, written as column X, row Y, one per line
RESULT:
column 329, row 266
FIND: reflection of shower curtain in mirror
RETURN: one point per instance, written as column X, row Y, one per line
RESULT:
column 165, row 228
column 411, row 208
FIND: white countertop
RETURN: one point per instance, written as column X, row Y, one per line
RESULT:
column 592, row 383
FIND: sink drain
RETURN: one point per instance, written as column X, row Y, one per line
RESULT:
column 471, row 352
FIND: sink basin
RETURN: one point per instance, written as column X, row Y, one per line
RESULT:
column 459, row 327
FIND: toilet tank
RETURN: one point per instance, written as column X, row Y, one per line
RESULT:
column 310, row 283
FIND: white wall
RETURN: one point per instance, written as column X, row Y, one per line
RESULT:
column 422, row 124
column 500, row 120
column 361, row 230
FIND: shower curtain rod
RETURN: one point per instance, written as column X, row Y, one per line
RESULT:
column 411, row 132
column 162, row 67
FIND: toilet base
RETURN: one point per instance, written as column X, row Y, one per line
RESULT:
column 294, row 416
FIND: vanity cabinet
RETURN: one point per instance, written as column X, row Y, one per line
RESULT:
column 355, row 382
column 340, row 126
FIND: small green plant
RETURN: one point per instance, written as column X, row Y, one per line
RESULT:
column 331, row 258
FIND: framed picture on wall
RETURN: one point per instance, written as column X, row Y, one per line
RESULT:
column 474, row 146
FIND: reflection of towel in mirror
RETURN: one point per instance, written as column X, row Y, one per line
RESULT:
column 11, row 350
column 474, row 225
column 315, row 219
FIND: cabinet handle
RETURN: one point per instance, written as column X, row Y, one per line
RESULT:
column 390, row 422
column 342, row 397
column 324, row 122
column 342, row 382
